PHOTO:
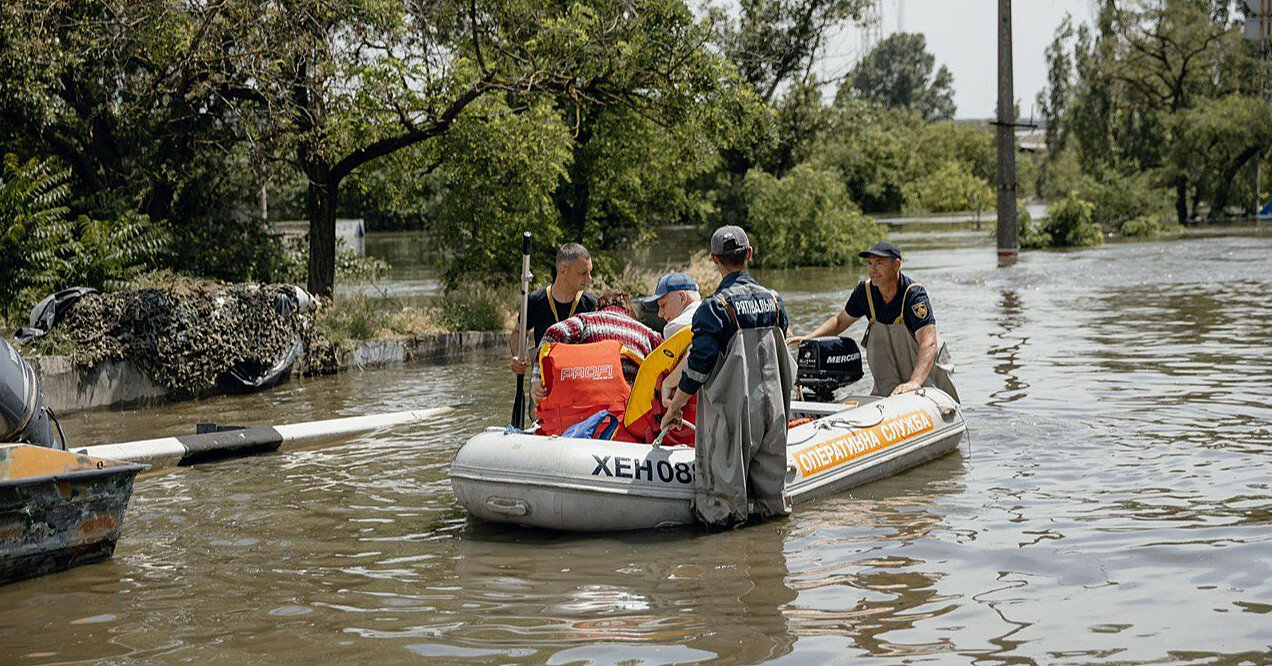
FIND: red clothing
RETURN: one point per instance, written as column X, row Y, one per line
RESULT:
column 611, row 323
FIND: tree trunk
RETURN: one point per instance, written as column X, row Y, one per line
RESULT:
column 1224, row 186
column 322, row 234
column 1181, row 199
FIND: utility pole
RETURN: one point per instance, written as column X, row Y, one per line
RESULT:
column 1258, row 28
column 1008, row 234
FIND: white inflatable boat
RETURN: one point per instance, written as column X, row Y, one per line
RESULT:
column 593, row 485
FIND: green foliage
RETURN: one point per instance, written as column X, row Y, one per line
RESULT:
column 899, row 73
column 476, row 309
column 1213, row 141
column 43, row 250
column 1145, row 226
column 33, row 228
column 498, row 174
column 1163, row 87
column 1117, row 197
column 1070, row 224
column 950, row 188
column 805, row 219
column 881, row 154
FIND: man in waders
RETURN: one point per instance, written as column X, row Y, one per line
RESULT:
column 739, row 361
column 903, row 348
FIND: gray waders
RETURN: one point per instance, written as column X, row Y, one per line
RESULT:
column 891, row 352
column 741, row 440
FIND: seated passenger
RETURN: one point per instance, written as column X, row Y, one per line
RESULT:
column 645, row 407
column 576, row 373
column 677, row 297
column 612, row 320
column 581, row 380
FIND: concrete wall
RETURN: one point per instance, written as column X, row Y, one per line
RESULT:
column 71, row 388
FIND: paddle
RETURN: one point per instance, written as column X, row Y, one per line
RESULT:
column 519, row 402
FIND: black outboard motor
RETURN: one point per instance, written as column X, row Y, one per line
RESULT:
column 23, row 416
column 826, row 364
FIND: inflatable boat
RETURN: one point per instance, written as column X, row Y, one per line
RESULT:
column 593, row 485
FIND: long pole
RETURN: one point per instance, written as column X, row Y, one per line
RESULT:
column 519, row 402
column 1008, row 234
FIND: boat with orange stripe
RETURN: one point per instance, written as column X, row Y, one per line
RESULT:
column 593, row 485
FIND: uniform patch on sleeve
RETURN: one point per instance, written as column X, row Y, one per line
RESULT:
column 920, row 309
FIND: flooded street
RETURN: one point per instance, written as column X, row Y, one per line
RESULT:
column 1113, row 504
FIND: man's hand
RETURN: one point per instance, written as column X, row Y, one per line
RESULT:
column 672, row 419
column 538, row 392
column 908, row 387
column 796, row 339
column 518, row 365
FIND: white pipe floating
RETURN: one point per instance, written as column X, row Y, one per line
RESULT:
column 191, row 449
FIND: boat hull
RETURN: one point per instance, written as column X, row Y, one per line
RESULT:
column 58, row 509
column 590, row 485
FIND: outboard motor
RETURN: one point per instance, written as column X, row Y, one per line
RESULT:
column 826, row 364
column 23, row 416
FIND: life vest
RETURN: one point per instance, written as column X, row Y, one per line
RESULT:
column 580, row 380
column 645, row 408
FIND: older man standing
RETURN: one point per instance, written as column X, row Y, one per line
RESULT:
column 903, row 348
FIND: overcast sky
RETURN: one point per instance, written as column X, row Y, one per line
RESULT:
column 963, row 35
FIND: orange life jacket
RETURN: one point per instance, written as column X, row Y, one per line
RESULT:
column 580, row 380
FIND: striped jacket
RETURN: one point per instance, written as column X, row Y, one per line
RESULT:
column 611, row 323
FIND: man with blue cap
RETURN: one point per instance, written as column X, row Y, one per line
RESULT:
column 677, row 298
column 742, row 374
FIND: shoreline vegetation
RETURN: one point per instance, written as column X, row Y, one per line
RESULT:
column 153, row 143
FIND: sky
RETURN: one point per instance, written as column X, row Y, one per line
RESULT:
column 963, row 35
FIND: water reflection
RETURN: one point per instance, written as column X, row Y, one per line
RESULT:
column 1008, row 352
column 666, row 597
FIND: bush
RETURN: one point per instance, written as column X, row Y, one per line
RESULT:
column 478, row 309
column 805, row 219
column 951, row 188
column 43, row 250
column 1146, row 226
column 1070, row 223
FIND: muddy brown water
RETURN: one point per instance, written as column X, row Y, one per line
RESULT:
column 1111, row 506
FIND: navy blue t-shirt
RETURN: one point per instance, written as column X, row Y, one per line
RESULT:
column 917, row 307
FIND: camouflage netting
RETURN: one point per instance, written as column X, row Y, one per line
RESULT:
column 186, row 339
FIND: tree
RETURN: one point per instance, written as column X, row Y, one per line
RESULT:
column 134, row 98
column 774, row 44
column 1142, row 64
column 805, row 219
column 336, row 85
column 898, row 73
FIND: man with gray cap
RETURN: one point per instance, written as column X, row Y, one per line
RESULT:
column 903, row 348
column 743, row 375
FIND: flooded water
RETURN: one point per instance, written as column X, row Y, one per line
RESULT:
column 1113, row 505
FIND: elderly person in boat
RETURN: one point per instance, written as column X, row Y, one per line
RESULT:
column 903, row 348
column 589, row 362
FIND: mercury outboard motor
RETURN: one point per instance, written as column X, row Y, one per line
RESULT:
column 826, row 364
column 23, row 416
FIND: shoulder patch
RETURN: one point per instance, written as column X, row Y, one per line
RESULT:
column 920, row 309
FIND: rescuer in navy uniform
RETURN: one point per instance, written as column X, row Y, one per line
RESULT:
column 903, row 348
column 742, row 374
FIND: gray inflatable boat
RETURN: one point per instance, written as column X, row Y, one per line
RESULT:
column 594, row 485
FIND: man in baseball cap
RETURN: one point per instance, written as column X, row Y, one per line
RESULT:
column 677, row 298
column 903, row 348
column 742, row 374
